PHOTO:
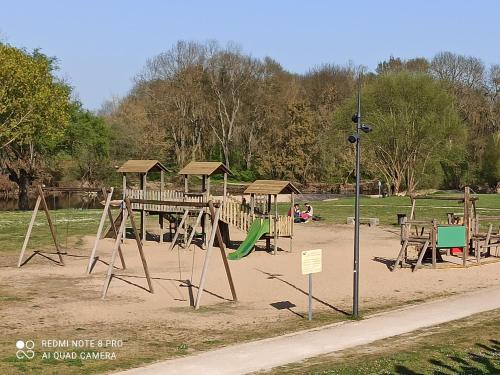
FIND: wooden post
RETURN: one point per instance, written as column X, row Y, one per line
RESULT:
column 198, row 221
column 275, row 224
column 186, row 187
column 421, row 255
column 215, row 224
column 208, row 188
column 434, row 242
column 160, row 214
column 252, row 205
column 139, row 244
column 115, row 234
column 268, row 238
column 400, row 256
column 292, row 198
column 179, row 227
column 51, row 226
column 124, row 185
column 412, row 213
column 224, row 190
column 214, row 215
column 109, row 274
column 30, row 228
column 162, row 183
column 465, row 253
column 143, row 207
column 99, row 230
column 204, row 216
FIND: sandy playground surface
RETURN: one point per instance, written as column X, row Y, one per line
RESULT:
column 262, row 281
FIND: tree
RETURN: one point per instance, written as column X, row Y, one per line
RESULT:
column 416, row 126
column 230, row 73
column 34, row 111
column 291, row 155
column 174, row 91
column 395, row 64
column 86, row 141
column 490, row 166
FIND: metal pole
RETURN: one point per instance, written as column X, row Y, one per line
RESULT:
column 355, row 308
column 310, row 313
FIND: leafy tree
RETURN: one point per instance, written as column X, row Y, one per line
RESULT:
column 490, row 166
column 395, row 64
column 416, row 126
column 293, row 153
column 34, row 111
column 87, row 142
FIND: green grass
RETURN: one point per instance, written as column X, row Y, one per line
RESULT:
column 69, row 223
column 386, row 209
column 75, row 223
column 468, row 346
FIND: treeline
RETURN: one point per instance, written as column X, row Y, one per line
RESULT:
column 436, row 122
column 45, row 135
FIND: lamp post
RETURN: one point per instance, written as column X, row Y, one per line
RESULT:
column 356, row 138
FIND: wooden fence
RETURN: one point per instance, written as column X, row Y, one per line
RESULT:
column 233, row 211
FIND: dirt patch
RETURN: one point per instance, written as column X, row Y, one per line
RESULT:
column 43, row 300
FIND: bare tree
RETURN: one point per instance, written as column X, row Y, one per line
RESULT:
column 458, row 69
column 229, row 73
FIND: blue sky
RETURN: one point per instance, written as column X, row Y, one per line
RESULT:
column 101, row 45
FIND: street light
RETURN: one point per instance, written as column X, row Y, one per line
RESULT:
column 356, row 138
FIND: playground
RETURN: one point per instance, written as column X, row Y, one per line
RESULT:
column 186, row 270
column 46, row 300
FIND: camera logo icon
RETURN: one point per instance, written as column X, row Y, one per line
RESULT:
column 25, row 349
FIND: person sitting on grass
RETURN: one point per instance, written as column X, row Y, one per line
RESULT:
column 307, row 214
column 295, row 211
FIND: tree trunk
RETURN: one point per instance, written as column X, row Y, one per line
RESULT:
column 24, row 184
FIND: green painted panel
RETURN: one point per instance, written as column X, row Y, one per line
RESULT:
column 451, row 237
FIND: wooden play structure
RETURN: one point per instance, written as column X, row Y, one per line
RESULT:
column 174, row 214
column 263, row 221
column 142, row 168
column 459, row 236
column 214, row 210
column 93, row 193
column 188, row 210
column 234, row 212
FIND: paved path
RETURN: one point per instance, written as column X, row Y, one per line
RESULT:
column 269, row 353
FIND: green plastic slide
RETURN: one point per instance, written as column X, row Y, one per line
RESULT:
column 256, row 231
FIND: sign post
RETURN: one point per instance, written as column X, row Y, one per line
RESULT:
column 311, row 263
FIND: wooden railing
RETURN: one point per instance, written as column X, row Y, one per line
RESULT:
column 236, row 214
column 233, row 211
column 284, row 225
column 165, row 195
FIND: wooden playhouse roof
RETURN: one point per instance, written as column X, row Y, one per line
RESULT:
column 204, row 168
column 142, row 166
column 271, row 187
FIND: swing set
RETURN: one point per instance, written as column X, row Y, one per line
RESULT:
column 90, row 194
column 214, row 211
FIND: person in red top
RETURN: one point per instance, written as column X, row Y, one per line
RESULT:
column 308, row 213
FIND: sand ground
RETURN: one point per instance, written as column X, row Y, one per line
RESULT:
column 262, row 281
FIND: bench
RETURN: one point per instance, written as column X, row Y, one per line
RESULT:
column 371, row 221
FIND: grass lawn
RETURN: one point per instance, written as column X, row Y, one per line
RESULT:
column 70, row 224
column 469, row 346
column 74, row 223
column 161, row 340
column 386, row 209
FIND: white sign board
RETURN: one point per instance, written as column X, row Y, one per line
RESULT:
column 311, row 261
